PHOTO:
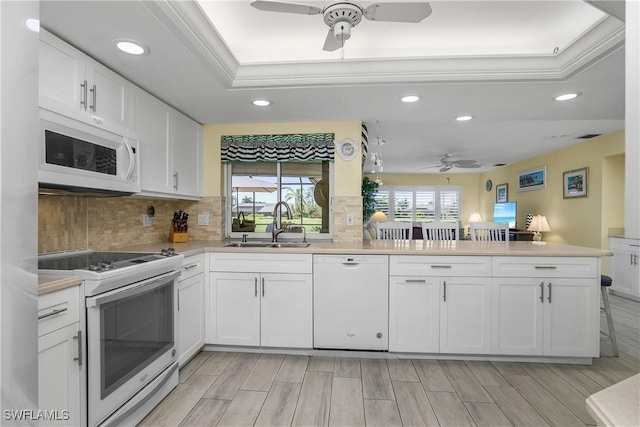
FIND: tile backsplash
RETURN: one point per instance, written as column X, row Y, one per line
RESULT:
column 67, row 223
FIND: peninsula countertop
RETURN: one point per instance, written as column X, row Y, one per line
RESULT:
column 391, row 247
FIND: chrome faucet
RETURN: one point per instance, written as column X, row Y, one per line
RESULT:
column 277, row 229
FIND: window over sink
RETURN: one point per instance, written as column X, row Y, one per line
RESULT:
column 253, row 189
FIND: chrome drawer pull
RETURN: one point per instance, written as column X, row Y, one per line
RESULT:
column 415, row 281
column 189, row 267
column 440, row 266
column 53, row 313
column 545, row 267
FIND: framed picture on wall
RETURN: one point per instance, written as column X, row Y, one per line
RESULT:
column 502, row 193
column 532, row 179
column 574, row 183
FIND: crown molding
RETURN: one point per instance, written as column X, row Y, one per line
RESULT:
column 190, row 24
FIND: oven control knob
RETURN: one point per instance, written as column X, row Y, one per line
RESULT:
column 107, row 265
column 97, row 267
column 164, row 252
column 173, row 353
column 171, row 251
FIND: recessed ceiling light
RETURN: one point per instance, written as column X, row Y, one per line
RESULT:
column 131, row 47
column 261, row 102
column 410, row 98
column 33, row 24
column 464, row 118
column 567, row 96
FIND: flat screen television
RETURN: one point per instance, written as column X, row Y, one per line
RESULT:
column 505, row 212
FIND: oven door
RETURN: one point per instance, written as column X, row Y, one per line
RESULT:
column 131, row 339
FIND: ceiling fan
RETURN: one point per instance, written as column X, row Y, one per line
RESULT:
column 341, row 16
column 448, row 162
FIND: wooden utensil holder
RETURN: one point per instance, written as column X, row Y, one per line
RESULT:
column 176, row 237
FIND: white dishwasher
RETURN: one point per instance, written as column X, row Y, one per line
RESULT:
column 351, row 302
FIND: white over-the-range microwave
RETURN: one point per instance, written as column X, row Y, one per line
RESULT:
column 79, row 158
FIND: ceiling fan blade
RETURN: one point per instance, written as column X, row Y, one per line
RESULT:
column 398, row 12
column 466, row 164
column 446, row 168
column 331, row 43
column 275, row 6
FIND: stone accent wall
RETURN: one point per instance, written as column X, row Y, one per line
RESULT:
column 341, row 207
column 67, row 223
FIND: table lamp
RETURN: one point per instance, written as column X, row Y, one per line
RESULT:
column 378, row 216
column 538, row 224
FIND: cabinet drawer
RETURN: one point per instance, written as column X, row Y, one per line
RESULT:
column 619, row 243
column 191, row 266
column 545, row 267
column 417, row 265
column 263, row 263
column 58, row 309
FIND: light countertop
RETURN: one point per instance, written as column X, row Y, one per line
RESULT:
column 617, row 405
column 50, row 283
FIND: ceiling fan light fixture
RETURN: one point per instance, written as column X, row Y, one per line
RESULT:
column 410, row 98
column 261, row 102
column 132, row 47
column 567, row 96
column 464, row 118
column 33, row 24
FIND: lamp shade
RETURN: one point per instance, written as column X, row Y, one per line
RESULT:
column 539, row 223
column 379, row 216
column 475, row 217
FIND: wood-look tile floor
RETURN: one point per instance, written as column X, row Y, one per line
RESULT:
column 246, row 389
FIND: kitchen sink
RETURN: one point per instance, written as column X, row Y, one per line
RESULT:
column 267, row 245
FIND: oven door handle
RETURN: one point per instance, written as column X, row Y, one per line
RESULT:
column 135, row 289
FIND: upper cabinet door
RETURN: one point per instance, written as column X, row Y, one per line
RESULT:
column 74, row 85
column 187, row 159
column 62, row 77
column 150, row 124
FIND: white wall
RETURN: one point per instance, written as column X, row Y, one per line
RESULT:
column 18, row 208
column 632, row 119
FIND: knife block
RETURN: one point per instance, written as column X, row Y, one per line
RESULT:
column 176, row 237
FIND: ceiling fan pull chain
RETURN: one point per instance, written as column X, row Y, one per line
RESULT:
column 342, row 42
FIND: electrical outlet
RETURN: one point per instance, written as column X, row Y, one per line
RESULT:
column 147, row 220
column 203, row 219
column 350, row 219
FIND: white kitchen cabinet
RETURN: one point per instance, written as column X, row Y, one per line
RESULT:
column 270, row 307
column 59, row 356
column 624, row 269
column 75, row 85
column 440, row 304
column 170, row 147
column 190, row 308
column 545, row 306
column 465, row 315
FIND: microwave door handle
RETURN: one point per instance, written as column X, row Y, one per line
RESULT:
column 138, row 288
column 132, row 159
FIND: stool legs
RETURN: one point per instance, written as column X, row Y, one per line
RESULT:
column 607, row 311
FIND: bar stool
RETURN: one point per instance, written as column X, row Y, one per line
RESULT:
column 605, row 282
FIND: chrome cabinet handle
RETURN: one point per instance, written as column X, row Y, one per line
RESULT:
column 440, row 266
column 175, row 181
column 415, row 281
column 83, row 95
column 53, row 313
column 549, row 297
column 94, row 92
column 79, row 338
column 255, row 286
column 263, row 286
column 189, row 267
column 542, row 292
column 545, row 267
column 444, row 294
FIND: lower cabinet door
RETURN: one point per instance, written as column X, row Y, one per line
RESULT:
column 414, row 314
column 59, row 377
column 571, row 327
column 190, row 317
column 234, row 303
column 287, row 310
column 517, row 316
column 465, row 315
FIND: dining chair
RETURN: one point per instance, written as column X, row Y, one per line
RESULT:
column 489, row 231
column 395, row 230
column 438, row 230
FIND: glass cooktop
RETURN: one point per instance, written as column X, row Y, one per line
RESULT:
column 94, row 260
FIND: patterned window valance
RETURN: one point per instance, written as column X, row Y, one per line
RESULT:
column 277, row 148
